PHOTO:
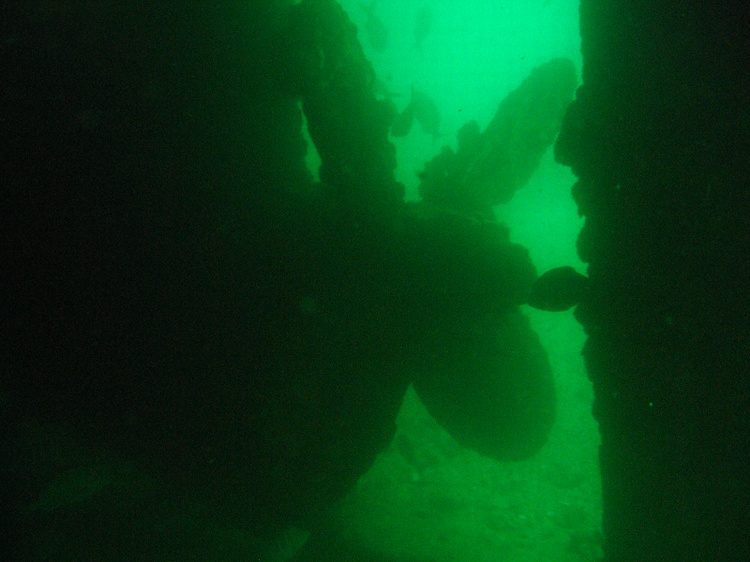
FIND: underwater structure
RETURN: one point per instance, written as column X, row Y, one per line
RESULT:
column 199, row 337
column 658, row 137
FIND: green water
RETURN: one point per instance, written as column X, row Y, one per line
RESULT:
column 426, row 498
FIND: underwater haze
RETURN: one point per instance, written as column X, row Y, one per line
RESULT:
column 426, row 498
column 472, row 54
